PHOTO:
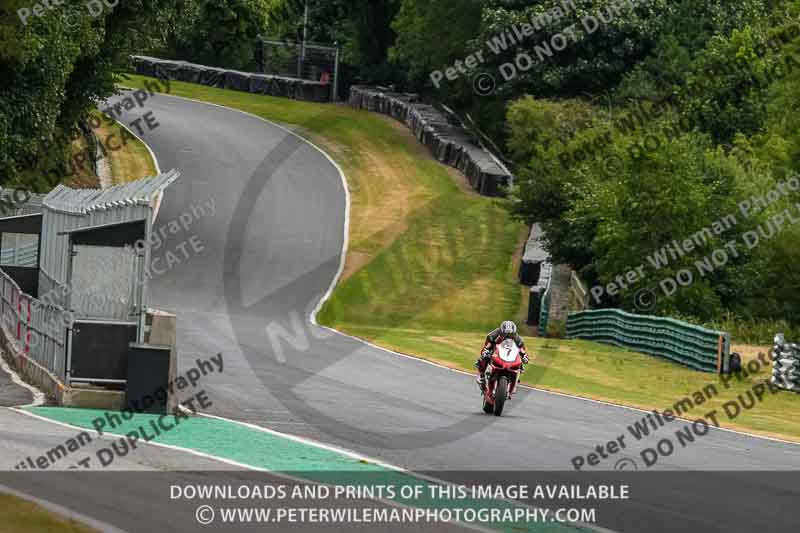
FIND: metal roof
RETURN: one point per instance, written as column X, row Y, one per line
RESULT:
column 82, row 201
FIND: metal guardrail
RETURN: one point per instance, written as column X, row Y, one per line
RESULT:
column 39, row 329
column 544, row 313
column 687, row 344
column 546, row 279
column 579, row 292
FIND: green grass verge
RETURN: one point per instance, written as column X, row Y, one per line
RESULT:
column 423, row 253
column 21, row 516
column 128, row 157
column 602, row 372
column 431, row 268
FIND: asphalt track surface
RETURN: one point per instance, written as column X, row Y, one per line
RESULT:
column 285, row 249
column 12, row 394
column 272, row 249
column 270, row 252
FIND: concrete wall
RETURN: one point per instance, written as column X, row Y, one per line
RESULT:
column 162, row 332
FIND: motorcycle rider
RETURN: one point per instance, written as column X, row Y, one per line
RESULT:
column 507, row 330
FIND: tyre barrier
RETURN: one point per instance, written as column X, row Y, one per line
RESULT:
column 785, row 364
column 295, row 88
column 448, row 143
column 694, row 346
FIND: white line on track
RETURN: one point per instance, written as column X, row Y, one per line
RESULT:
column 158, row 444
column 313, row 315
column 244, row 466
column 313, row 320
column 155, row 159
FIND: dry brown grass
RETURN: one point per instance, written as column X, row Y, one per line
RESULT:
column 132, row 161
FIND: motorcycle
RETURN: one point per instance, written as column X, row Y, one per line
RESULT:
column 501, row 376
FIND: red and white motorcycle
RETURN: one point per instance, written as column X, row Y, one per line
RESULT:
column 501, row 376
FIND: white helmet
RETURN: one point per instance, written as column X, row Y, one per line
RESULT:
column 508, row 328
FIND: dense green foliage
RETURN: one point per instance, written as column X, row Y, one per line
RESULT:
column 221, row 33
column 632, row 125
column 57, row 66
column 694, row 130
column 224, row 32
column 54, row 68
column 420, row 23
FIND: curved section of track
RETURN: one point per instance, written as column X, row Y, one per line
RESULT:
column 265, row 241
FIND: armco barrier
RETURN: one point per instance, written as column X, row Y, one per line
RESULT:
column 312, row 91
column 694, row 346
column 544, row 312
column 38, row 328
column 448, row 143
column 539, row 303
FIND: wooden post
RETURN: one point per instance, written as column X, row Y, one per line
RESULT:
column 720, row 344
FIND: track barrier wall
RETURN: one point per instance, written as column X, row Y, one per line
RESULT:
column 694, row 346
column 539, row 303
column 785, row 364
column 37, row 328
column 448, row 143
column 295, row 88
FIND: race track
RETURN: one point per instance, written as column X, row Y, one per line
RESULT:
column 270, row 251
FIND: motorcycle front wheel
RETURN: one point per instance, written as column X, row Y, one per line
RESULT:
column 500, row 394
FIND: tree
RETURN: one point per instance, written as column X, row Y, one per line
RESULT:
column 450, row 24
column 225, row 32
column 55, row 67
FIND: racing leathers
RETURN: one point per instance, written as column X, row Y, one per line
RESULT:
column 494, row 338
